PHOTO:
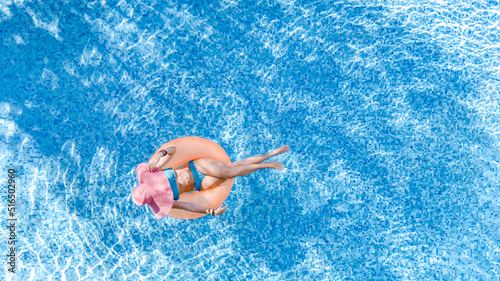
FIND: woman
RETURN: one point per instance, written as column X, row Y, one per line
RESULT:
column 202, row 174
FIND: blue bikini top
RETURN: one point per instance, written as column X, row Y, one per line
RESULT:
column 170, row 173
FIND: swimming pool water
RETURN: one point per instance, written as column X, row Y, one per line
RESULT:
column 390, row 108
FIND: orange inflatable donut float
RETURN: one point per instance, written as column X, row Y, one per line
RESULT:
column 192, row 148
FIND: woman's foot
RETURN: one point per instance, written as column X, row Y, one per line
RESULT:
column 275, row 165
column 283, row 149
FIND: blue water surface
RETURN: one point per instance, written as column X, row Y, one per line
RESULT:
column 390, row 108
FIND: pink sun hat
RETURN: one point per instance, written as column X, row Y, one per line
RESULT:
column 154, row 190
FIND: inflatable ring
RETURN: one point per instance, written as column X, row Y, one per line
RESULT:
column 192, row 148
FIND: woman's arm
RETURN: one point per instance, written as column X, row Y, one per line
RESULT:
column 195, row 208
column 161, row 158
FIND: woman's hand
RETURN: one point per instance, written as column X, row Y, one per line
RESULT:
column 152, row 163
column 219, row 211
column 161, row 158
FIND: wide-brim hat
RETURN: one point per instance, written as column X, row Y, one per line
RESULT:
column 153, row 189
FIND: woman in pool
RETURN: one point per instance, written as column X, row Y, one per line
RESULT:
column 204, row 173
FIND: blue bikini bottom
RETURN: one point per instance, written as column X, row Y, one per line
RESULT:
column 198, row 177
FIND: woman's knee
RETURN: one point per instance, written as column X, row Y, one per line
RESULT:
column 228, row 172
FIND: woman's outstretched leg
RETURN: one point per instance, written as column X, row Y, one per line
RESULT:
column 260, row 158
column 217, row 172
column 214, row 168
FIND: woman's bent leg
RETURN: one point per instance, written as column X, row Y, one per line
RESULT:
column 192, row 207
column 209, row 182
column 195, row 208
